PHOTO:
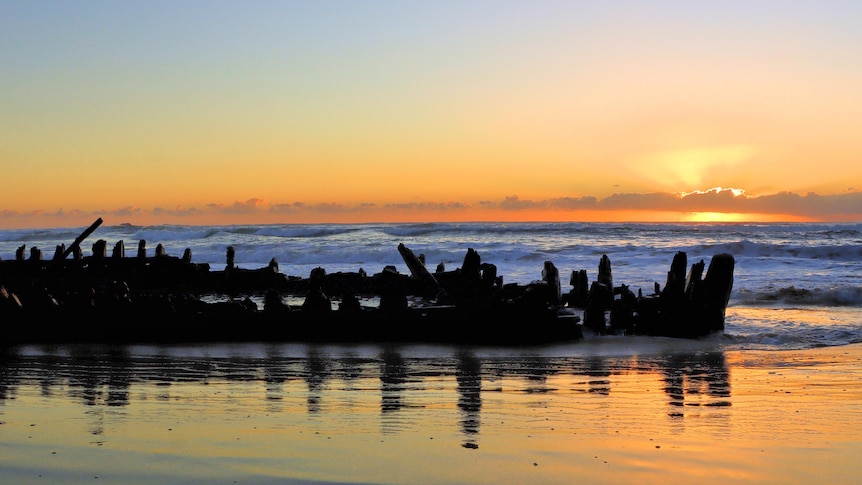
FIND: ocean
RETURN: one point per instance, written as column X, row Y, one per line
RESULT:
column 775, row 398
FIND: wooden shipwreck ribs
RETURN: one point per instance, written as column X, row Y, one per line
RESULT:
column 168, row 299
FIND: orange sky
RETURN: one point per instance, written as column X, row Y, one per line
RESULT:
column 280, row 112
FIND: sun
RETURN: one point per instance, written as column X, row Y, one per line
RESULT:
column 740, row 217
column 717, row 217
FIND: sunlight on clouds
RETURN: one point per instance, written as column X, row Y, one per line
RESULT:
column 692, row 167
column 716, row 190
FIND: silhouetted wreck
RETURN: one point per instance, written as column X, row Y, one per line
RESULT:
column 168, row 299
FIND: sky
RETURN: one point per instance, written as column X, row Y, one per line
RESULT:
column 257, row 112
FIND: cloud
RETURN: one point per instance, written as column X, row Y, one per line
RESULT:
column 293, row 208
column 647, row 202
column 126, row 212
column 811, row 204
column 426, row 206
column 513, row 203
column 839, row 207
column 328, row 208
column 250, row 206
column 574, row 203
column 178, row 212
column 727, row 200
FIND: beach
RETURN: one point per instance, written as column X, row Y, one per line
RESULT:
column 610, row 410
column 773, row 398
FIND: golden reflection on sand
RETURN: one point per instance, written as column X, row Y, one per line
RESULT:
column 392, row 415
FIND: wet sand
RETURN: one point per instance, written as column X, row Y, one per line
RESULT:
column 592, row 413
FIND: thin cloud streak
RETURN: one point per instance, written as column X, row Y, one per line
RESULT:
column 845, row 207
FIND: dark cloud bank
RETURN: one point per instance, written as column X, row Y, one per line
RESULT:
column 840, row 207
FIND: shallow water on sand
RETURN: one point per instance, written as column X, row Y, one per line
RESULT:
column 615, row 410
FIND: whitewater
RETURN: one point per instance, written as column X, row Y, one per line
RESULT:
column 796, row 285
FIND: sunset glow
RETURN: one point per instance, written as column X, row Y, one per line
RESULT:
column 281, row 112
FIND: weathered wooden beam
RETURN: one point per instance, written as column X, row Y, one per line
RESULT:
column 95, row 225
column 417, row 269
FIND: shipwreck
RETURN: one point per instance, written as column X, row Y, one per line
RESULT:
column 165, row 299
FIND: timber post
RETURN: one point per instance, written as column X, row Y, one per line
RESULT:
column 95, row 225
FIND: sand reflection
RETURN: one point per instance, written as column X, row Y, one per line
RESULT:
column 469, row 376
column 451, row 377
column 700, row 379
column 390, row 414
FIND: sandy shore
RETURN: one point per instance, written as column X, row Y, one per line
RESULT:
column 699, row 416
